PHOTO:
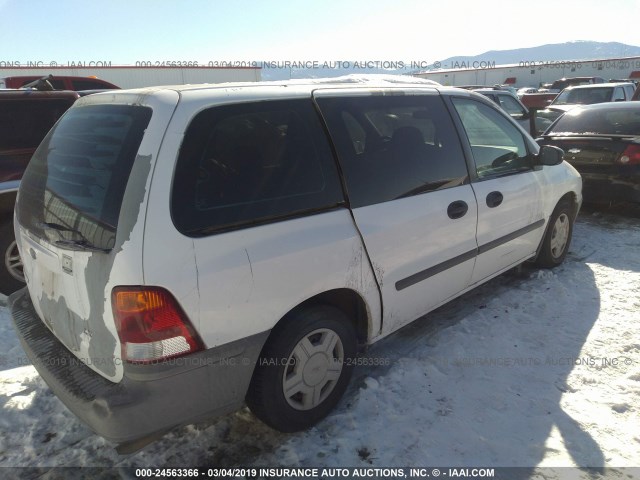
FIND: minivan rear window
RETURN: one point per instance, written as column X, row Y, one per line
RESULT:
column 253, row 163
column 73, row 187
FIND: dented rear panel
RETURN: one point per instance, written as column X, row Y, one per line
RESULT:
column 80, row 218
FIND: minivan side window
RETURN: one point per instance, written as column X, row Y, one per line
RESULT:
column 394, row 146
column 618, row 94
column 252, row 163
column 498, row 146
column 628, row 91
column 511, row 106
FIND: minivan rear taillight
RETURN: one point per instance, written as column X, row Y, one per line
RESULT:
column 630, row 156
column 151, row 325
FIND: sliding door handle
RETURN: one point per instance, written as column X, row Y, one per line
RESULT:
column 457, row 209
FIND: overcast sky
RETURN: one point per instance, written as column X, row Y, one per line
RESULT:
column 126, row 31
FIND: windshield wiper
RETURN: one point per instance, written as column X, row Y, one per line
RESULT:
column 57, row 227
column 80, row 244
column 83, row 244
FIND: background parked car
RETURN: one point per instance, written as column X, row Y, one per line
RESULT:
column 537, row 99
column 524, row 90
column 603, row 143
column 563, row 83
column 60, row 82
column 590, row 94
column 571, row 97
column 547, row 92
column 510, row 104
column 25, row 118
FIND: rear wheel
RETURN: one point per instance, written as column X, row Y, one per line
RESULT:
column 11, row 274
column 558, row 237
column 304, row 369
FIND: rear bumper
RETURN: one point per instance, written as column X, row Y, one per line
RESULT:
column 150, row 399
column 611, row 187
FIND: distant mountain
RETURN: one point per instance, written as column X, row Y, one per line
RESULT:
column 577, row 50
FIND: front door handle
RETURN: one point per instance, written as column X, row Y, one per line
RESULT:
column 494, row 199
column 457, row 209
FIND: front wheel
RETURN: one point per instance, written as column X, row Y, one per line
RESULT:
column 557, row 239
column 304, row 369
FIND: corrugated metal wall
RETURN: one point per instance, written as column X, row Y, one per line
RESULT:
column 534, row 75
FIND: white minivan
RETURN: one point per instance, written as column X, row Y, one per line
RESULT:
column 191, row 249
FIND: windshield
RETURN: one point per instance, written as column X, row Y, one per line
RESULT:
column 584, row 96
column 624, row 121
column 73, row 187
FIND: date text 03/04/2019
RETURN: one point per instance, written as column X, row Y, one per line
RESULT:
column 576, row 65
column 288, row 64
column 323, row 473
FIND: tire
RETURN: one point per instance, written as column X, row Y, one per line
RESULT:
column 304, row 369
column 11, row 276
column 557, row 239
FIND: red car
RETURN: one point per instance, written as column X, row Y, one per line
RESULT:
column 61, row 83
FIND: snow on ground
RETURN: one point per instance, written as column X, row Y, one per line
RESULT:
column 540, row 368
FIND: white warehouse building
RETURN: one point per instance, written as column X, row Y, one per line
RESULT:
column 533, row 73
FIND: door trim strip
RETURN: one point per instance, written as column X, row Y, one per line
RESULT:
column 452, row 262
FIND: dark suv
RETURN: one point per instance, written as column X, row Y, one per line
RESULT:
column 561, row 84
column 25, row 118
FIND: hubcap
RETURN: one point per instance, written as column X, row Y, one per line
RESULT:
column 313, row 369
column 13, row 262
column 559, row 235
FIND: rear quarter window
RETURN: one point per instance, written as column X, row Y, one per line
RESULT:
column 252, row 163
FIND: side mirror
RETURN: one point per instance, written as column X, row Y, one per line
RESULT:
column 550, row 155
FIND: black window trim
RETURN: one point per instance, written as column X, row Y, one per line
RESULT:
column 334, row 153
column 214, row 230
